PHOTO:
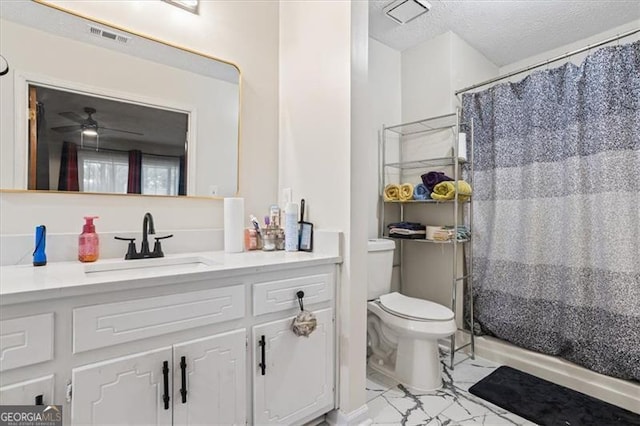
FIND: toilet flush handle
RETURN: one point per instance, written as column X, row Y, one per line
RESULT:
column 300, row 295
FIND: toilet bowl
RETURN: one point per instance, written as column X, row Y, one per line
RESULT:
column 403, row 335
column 402, row 331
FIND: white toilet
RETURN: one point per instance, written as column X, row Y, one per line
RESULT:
column 403, row 332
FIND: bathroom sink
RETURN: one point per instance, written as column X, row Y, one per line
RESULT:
column 162, row 263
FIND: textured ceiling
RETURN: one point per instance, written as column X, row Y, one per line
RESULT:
column 505, row 31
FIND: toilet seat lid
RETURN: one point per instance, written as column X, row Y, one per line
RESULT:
column 419, row 309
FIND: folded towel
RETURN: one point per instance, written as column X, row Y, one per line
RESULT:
column 391, row 192
column 447, row 190
column 431, row 179
column 415, row 226
column 463, row 233
column 440, row 233
column 408, row 235
column 408, row 230
column 406, row 192
column 403, row 231
column 446, row 233
column 420, row 192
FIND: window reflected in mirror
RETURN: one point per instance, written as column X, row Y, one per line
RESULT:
column 84, row 143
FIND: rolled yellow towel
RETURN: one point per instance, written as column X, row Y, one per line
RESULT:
column 447, row 190
column 391, row 192
column 406, row 192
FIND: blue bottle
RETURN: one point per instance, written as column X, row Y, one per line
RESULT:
column 39, row 256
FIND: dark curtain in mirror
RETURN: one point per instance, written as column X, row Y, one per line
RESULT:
column 182, row 187
column 68, row 180
column 134, row 184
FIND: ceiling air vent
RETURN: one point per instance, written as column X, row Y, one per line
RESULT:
column 403, row 11
column 101, row 32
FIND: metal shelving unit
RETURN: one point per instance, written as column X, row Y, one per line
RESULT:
column 416, row 131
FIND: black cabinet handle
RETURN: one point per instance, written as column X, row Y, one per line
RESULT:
column 263, row 364
column 165, row 374
column 39, row 400
column 183, row 368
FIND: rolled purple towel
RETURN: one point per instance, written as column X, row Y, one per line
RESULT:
column 431, row 179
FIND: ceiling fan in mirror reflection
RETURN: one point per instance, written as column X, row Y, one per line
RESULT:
column 87, row 126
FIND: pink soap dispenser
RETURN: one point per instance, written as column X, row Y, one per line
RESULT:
column 88, row 242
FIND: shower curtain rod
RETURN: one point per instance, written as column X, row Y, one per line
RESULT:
column 548, row 61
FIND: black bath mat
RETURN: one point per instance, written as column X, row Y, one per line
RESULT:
column 546, row 403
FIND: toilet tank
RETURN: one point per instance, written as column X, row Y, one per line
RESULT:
column 379, row 267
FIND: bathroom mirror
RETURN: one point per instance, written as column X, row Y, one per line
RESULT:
column 93, row 108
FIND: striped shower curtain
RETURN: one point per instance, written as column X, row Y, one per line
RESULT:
column 557, row 211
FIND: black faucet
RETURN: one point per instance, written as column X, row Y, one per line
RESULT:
column 147, row 228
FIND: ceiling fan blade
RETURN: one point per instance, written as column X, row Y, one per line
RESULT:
column 121, row 131
column 67, row 129
column 73, row 117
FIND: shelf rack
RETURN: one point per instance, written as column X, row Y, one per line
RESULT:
column 412, row 131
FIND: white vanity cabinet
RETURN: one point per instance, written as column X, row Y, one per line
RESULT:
column 183, row 350
column 197, row 382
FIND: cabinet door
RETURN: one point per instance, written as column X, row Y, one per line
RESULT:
column 214, row 380
column 125, row 391
column 27, row 392
column 298, row 378
column 25, row 341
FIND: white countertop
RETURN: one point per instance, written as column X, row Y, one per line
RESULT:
column 26, row 283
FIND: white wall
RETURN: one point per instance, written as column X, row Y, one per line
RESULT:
column 576, row 59
column 315, row 108
column 431, row 72
column 243, row 33
column 353, row 312
column 468, row 66
column 323, row 130
column 385, row 93
column 426, row 79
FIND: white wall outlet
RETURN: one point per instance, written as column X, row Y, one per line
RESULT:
column 213, row 190
column 287, row 196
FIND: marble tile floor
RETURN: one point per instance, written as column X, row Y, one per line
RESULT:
column 391, row 403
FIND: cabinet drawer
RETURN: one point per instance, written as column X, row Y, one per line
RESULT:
column 280, row 295
column 113, row 323
column 27, row 392
column 25, row 341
